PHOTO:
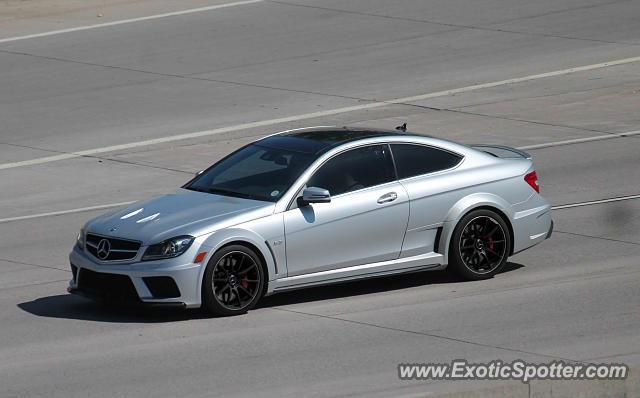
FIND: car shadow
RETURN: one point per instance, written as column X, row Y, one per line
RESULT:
column 368, row 286
column 69, row 306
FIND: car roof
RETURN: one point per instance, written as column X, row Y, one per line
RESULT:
column 317, row 140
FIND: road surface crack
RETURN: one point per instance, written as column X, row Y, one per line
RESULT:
column 427, row 334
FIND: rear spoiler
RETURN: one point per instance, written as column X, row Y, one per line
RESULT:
column 504, row 152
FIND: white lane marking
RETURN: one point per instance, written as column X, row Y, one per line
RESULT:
column 518, row 79
column 579, row 140
column 179, row 137
column 311, row 115
column 125, row 21
column 595, row 202
column 57, row 213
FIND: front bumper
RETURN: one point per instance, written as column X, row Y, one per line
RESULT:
column 94, row 297
column 171, row 282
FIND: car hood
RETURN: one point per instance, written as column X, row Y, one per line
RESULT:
column 182, row 212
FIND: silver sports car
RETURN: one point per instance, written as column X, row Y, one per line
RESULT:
column 314, row 206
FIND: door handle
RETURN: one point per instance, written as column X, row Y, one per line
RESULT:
column 388, row 197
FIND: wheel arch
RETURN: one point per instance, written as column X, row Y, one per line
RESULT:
column 468, row 204
column 242, row 237
column 255, row 249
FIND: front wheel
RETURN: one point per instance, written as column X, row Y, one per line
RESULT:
column 480, row 245
column 233, row 281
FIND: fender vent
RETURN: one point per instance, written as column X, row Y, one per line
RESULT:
column 436, row 243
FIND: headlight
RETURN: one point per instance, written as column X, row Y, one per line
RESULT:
column 169, row 248
column 80, row 240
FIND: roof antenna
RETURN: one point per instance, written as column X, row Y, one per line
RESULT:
column 402, row 128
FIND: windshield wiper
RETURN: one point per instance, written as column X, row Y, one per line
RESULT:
column 232, row 193
column 226, row 192
column 191, row 188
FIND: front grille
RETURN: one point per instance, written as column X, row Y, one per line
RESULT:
column 112, row 249
column 162, row 286
column 112, row 287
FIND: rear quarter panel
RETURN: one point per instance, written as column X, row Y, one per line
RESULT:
column 439, row 200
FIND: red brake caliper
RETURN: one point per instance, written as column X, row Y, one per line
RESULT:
column 245, row 284
column 490, row 243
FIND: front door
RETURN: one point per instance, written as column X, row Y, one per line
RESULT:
column 365, row 221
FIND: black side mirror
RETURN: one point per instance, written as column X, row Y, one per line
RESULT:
column 314, row 195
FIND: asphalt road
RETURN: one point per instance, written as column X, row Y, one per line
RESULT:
column 266, row 66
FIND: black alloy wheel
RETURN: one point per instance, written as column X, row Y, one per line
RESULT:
column 480, row 245
column 233, row 282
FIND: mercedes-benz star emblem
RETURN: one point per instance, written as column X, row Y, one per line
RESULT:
column 104, row 247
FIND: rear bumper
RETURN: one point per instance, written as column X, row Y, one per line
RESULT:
column 531, row 223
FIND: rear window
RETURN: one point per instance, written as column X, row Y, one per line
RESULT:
column 412, row 160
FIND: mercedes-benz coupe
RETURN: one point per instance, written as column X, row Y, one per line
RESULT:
column 315, row 206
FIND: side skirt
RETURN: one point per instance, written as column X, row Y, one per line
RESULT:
column 408, row 264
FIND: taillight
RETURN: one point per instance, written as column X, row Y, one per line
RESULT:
column 532, row 179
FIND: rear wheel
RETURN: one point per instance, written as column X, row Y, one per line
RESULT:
column 480, row 245
column 233, row 281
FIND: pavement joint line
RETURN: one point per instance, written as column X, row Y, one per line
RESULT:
column 318, row 114
column 140, row 163
column 426, row 334
column 126, row 21
column 528, row 285
column 487, row 28
column 316, row 54
column 539, row 283
column 33, row 265
column 181, row 76
column 109, row 158
column 540, row 96
column 597, row 275
column 566, row 126
column 609, row 357
column 555, row 282
column 561, row 11
column 597, row 237
column 33, row 284
column 595, row 202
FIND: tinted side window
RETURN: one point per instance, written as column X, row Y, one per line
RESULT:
column 413, row 160
column 355, row 169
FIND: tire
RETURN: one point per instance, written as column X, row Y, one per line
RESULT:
column 480, row 245
column 233, row 281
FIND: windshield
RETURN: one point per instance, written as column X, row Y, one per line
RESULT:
column 253, row 172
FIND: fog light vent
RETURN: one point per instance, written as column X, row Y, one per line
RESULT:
column 162, row 286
